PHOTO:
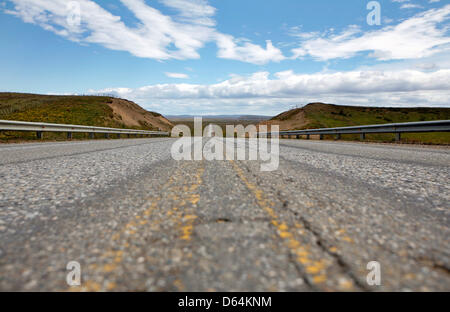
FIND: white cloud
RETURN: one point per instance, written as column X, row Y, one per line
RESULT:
column 403, row 1
column 192, row 25
column 193, row 10
column 247, row 52
column 411, row 6
column 156, row 36
column 420, row 36
column 258, row 93
column 177, row 75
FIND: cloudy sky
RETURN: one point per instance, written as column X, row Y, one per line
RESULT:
column 230, row 56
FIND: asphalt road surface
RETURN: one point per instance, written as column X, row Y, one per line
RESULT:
column 137, row 220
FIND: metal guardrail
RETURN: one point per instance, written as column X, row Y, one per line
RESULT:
column 40, row 127
column 397, row 128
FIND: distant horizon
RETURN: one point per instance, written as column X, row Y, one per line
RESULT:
column 216, row 115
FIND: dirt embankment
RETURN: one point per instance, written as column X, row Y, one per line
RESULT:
column 320, row 115
column 89, row 110
column 133, row 115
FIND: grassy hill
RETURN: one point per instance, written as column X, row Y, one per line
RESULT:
column 98, row 111
column 319, row 115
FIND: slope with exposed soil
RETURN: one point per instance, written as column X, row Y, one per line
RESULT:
column 101, row 111
column 81, row 110
column 133, row 115
column 320, row 115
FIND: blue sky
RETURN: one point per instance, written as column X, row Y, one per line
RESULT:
column 229, row 56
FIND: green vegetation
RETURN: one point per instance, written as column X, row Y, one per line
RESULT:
column 77, row 110
column 320, row 115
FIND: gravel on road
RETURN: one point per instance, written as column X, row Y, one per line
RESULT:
column 137, row 220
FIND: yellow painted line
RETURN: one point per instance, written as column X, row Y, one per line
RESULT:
column 313, row 268
column 187, row 221
column 184, row 219
column 114, row 256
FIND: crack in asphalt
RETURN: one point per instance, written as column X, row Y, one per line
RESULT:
column 228, row 220
column 324, row 246
column 310, row 270
column 318, row 239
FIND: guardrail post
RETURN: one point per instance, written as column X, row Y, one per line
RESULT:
column 91, row 135
column 39, row 135
column 298, row 137
column 338, row 136
column 69, row 135
column 307, row 137
column 321, row 136
column 362, row 136
column 118, row 135
column 398, row 137
column 106, row 135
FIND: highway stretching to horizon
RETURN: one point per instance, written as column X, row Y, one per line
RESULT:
column 137, row 220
